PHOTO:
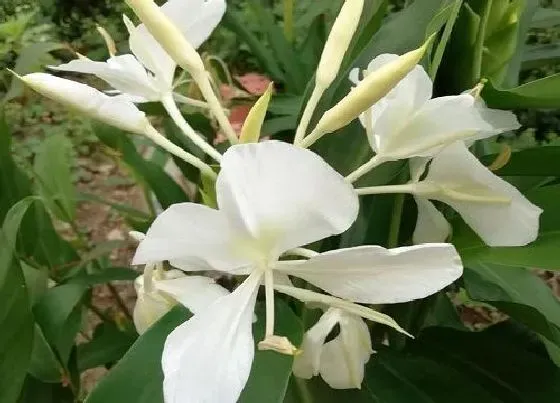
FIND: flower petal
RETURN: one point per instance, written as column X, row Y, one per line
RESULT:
column 209, row 357
column 197, row 236
column 194, row 292
column 375, row 275
column 431, row 225
column 124, row 73
column 344, row 358
column 283, row 195
column 442, row 121
column 498, row 224
column 115, row 112
column 308, row 363
column 149, row 306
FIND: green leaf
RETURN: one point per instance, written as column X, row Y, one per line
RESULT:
column 107, row 275
column 44, row 364
column 518, row 293
column 451, row 12
column 108, row 345
column 137, row 377
column 54, row 178
column 543, row 253
column 271, row 371
column 16, row 321
column 538, row 94
column 167, row 191
column 538, row 161
column 59, row 314
column 36, row 281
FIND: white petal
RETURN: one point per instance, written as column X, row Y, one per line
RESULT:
column 209, row 357
column 194, row 292
column 149, row 307
column 307, row 364
column 431, row 225
column 124, row 73
column 284, row 196
column 197, row 236
column 115, row 112
column 375, row 275
column 442, row 121
column 343, row 358
column 498, row 224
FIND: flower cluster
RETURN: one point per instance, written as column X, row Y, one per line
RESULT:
column 275, row 198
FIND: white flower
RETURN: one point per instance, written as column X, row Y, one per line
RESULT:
column 340, row 361
column 147, row 74
column 272, row 197
column 492, row 207
column 408, row 123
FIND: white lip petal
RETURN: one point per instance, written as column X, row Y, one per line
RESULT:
column 375, row 275
column 431, row 225
column 209, row 357
column 283, row 195
column 197, row 236
column 194, row 292
column 498, row 224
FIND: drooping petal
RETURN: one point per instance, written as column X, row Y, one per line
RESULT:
column 498, row 224
column 343, row 359
column 442, row 121
column 115, row 112
column 198, row 237
column 209, row 357
column 149, row 307
column 308, row 363
column 431, row 225
column 375, row 275
column 124, row 73
column 284, row 196
column 194, row 292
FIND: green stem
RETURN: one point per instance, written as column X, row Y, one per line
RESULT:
column 396, row 217
column 289, row 20
column 479, row 44
column 303, row 391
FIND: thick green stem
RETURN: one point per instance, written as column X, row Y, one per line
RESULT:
column 289, row 20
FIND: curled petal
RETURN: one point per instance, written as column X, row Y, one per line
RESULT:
column 431, row 225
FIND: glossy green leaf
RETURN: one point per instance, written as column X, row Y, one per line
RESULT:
column 52, row 169
column 166, row 190
column 543, row 253
column 543, row 93
column 59, row 314
column 36, row 281
column 44, row 364
column 108, row 345
column 16, row 321
column 137, row 377
column 519, row 293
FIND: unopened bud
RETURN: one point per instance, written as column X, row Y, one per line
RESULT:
column 280, row 344
column 85, row 99
column 338, row 41
column 168, row 35
column 370, row 90
column 251, row 131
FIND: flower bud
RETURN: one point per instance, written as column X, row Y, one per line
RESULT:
column 371, row 89
column 338, row 41
column 251, row 131
column 168, row 35
column 85, row 99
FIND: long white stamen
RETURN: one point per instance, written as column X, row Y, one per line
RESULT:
column 308, row 253
column 188, row 131
column 269, row 296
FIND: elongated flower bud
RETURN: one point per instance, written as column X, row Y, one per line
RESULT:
column 371, row 89
column 338, row 41
column 251, row 131
column 85, row 99
column 168, row 35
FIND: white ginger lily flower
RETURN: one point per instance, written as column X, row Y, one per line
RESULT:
column 158, row 291
column 492, row 207
column 409, row 123
column 272, row 197
column 340, row 361
column 147, row 74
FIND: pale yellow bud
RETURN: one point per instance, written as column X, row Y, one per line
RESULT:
column 251, row 130
column 370, row 90
column 338, row 41
column 168, row 35
column 109, row 41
